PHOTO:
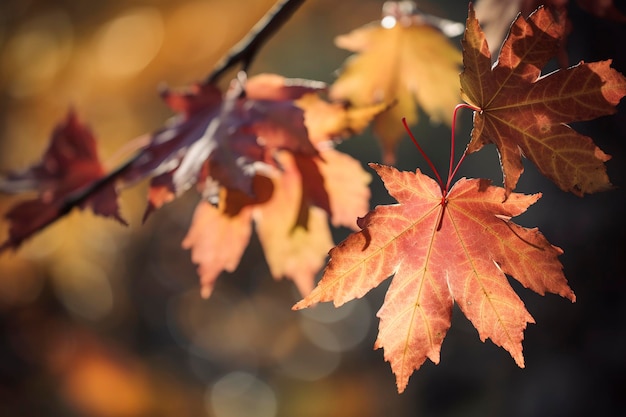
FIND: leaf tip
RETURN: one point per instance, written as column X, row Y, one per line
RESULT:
column 206, row 291
column 470, row 8
column 518, row 356
column 118, row 217
column 567, row 292
column 599, row 154
column 306, row 302
column 401, row 386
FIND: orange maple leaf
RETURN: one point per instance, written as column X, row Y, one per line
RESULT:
column 290, row 208
column 294, row 234
column 207, row 236
column 230, row 221
column 333, row 121
column 410, row 62
column 290, row 211
column 523, row 113
column 442, row 250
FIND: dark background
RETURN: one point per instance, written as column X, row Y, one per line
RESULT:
column 97, row 320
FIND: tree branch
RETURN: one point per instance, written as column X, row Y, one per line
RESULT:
column 247, row 48
column 244, row 52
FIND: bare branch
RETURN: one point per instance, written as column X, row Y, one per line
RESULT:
column 245, row 51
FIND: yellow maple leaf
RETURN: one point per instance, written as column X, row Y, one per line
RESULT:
column 407, row 62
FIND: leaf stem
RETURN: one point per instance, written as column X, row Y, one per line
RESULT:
column 452, row 172
column 248, row 47
column 428, row 161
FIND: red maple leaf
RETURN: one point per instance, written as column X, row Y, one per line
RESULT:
column 441, row 250
column 227, row 138
column 524, row 113
column 68, row 165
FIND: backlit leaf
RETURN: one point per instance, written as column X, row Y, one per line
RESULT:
column 68, row 165
column 441, row 253
column 405, row 63
column 524, row 113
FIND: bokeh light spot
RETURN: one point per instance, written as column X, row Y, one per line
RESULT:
column 241, row 394
column 36, row 53
column 83, row 288
column 348, row 325
column 129, row 42
column 388, row 22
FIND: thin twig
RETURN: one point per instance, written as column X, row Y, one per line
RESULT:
column 242, row 52
column 81, row 195
column 247, row 48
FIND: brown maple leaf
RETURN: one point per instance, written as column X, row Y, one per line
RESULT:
column 442, row 250
column 411, row 61
column 524, row 113
column 495, row 17
column 68, row 165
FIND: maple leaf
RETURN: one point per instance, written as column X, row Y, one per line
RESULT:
column 335, row 181
column 410, row 62
column 230, row 221
column 495, row 17
column 333, row 121
column 295, row 235
column 69, row 164
column 440, row 253
column 290, row 211
column 209, row 230
column 289, row 206
column 227, row 137
column 524, row 113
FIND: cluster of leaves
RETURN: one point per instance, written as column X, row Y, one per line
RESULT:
column 249, row 153
column 446, row 245
column 261, row 153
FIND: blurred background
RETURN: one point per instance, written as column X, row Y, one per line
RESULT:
column 98, row 320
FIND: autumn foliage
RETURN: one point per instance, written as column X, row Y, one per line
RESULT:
column 70, row 163
column 525, row 113
column 261, row 154
column 442, row 251
column 410, row 62
column 447, row 245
